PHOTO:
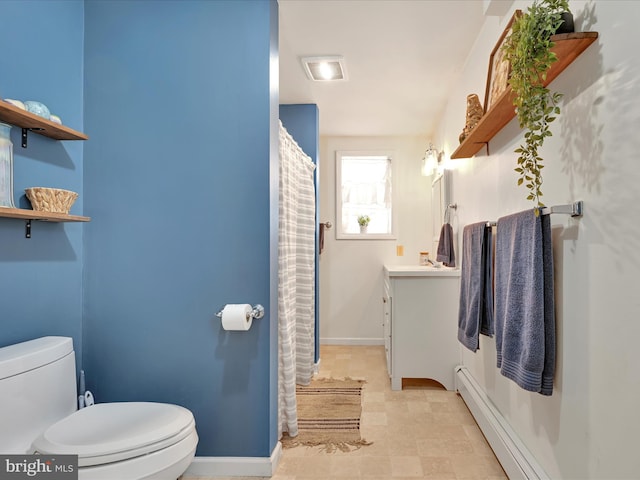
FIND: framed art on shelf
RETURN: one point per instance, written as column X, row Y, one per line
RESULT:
column 499, row 68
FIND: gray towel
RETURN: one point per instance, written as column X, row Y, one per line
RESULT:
column 446, row 253
column 475, row 314
column 524, row 305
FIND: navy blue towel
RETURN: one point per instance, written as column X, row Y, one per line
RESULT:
column 524, row 304
column 475, row 314
column 486, row 318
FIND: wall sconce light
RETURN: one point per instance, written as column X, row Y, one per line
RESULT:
column 430, row 161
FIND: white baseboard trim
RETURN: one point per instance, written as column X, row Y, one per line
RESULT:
column 236, row 466
column 516, row 460
column 352, row 341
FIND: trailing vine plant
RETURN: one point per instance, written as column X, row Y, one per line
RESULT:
column 528, row 49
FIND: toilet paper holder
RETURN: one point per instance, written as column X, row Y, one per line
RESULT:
column 257, row 311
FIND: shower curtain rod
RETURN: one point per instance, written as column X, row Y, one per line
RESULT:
column 574, row 209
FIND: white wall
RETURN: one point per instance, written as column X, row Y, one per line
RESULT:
column 589, row 427
column 351, row 270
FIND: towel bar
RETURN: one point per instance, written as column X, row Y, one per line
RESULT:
column 574, row 209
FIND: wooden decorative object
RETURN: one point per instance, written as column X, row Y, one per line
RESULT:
column 499, row 68
column 474, row 114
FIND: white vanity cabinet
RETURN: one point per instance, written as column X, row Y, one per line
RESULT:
column 386, row 322
column 420, row 306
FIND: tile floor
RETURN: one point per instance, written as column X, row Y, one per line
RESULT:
column 421, row 432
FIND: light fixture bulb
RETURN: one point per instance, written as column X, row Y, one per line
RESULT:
column 429, row 162
column 326, row 68
column 326, row 71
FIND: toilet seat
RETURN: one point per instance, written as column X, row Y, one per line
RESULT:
column 113, row 432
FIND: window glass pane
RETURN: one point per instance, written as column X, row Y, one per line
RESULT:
column 366, row 189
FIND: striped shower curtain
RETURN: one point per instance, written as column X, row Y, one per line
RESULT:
column 296, row 291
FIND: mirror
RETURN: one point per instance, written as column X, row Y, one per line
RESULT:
column 440, row 198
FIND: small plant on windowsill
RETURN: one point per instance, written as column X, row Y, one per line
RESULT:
column 363, row 221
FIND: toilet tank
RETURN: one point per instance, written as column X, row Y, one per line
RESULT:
column 37, row 388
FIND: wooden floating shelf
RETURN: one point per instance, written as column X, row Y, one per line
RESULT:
column 25, row 214
column 568, row 46
column 21, row 118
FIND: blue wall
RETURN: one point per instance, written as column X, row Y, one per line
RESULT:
column 302, row 121
column 180, row 102
column 179, row 183
column 41, row 277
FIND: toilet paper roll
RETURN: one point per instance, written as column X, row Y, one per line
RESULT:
column 237, row 317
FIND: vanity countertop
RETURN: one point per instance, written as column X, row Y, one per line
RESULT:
column 420, row 271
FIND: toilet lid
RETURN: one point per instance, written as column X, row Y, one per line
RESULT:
column 108, row 432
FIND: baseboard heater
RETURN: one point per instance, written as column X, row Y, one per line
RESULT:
column 513, row 455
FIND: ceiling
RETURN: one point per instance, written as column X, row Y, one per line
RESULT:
column 402, row 58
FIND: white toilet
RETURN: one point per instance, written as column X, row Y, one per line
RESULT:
column 113, row 441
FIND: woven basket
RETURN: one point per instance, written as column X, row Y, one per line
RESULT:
column 53, row 200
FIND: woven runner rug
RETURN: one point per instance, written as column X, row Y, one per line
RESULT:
column 329, row 415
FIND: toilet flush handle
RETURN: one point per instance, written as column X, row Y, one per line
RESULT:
column 88, row 399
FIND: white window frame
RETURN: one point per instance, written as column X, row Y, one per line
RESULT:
column 340, row 234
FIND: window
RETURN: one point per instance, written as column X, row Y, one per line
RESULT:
column 364, row 186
